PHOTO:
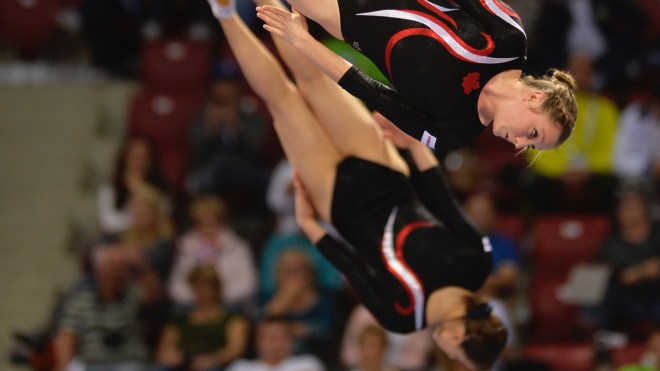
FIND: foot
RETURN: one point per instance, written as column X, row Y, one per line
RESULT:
column 222, row 9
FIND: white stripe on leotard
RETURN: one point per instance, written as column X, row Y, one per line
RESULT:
column 452, row 43
column 490, row 4
column 407, row 277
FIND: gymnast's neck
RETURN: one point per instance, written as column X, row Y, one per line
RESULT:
column 501, row 88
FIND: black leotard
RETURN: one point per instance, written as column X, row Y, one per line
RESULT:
column 399, row 253
column 438, row 55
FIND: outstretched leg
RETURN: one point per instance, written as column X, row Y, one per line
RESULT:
column 305, row 143
column 346, row 120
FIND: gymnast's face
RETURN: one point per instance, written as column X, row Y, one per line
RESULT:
column 524, row 124
column 449, row 336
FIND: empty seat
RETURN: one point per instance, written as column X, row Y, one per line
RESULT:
column 560, row 241
column 27, row 24
column 551, row 320
column 166, row 118
column 563, row 356
column 176, row 64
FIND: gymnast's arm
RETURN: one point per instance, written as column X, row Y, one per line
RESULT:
column 434, row 192
column 380, row 97
column 429, row 183
column 376, row 95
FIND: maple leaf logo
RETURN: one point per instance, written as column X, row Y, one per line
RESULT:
column 471, row 82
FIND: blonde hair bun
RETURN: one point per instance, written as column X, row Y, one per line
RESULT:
column 564, row 78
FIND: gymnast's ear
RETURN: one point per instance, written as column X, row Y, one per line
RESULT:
column 535, row 97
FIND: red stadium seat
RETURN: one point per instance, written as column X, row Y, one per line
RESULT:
column 551, row 320
column 166, row 118
column 560, row 241
column 176, row 65
column 563, row 356
column 629, row 354
column 27, row 24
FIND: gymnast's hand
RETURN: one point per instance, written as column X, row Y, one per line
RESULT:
column 306, row 215
column 396, row 135
column 291, row 26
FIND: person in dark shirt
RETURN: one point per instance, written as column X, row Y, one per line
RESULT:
column 633, row 252
column 456, row 67
column 414, row 260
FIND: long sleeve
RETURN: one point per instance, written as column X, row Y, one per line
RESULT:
column 237, row 269
column 185, row 261
column 378, row 96
column 434, row 192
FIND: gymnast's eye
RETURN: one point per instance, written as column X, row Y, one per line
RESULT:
column 533, row 133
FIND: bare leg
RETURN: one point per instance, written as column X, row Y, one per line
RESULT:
column 305, row 142
column 347, row 122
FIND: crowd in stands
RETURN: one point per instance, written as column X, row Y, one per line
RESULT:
column 197, row 263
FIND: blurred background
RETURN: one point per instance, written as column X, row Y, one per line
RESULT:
column 146, row 208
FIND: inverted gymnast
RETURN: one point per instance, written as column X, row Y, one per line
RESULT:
column 456, row 66
column 409, row 269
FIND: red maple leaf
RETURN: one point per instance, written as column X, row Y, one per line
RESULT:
column 471, row 82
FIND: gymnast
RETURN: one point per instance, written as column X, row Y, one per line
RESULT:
column 411, row 270
column 456, row 66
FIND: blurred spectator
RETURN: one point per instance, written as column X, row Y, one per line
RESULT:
column 112, row 29
column 328, row 278
column 503, row 281
column 633, row 252
column 279, row 197
column 274, row 345
column 207, row 337
column 150, row 232
column 228, row 141
column 408, row 352
column 578, row 175
column 298, row 299
column 372, row 345
column 136, row 163
column 463, row 173
column 212, row 242
column 584, row 37
column 637, row 153
column 99, row 327
column 624, row 23
column 551, row 28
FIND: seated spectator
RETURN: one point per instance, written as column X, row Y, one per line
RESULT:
column 150, row 231
column 372, row 345
column 99, row 327
column 136, row 163
column 229, row 142
column 274, row 346
column 212, row 242
column 633, row 252
column 297, row 299
column 637, row 154
column 279, row 197
column 406, row 352
column 503, row 281
column 328, row 279
column 578, row 176
column 207, row 337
